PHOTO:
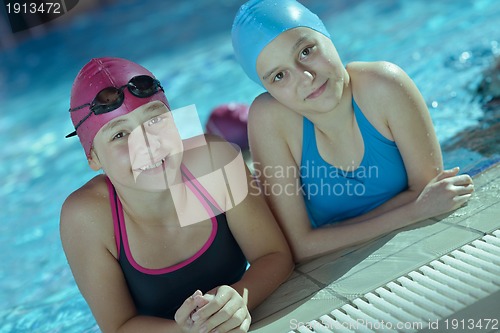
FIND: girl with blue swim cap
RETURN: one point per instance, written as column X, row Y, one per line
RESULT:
column 138, row 263
column 350, row 147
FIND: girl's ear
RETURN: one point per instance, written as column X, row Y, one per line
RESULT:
column 93, row 161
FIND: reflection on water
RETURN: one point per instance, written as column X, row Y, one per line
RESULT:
column 484, row 137
column 445, row 46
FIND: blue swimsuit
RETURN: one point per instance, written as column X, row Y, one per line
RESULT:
column 332, row 194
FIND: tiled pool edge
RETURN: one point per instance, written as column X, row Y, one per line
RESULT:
column 325, row 298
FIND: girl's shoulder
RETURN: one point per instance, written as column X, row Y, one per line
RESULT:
column 92, row 192
column 382, row 91
column 385, row 74
column 217, row 165
column 379, row 84
column 208, row 153
column 86, row 213
column 271, row 123
column 266, row 109
column 378, row 77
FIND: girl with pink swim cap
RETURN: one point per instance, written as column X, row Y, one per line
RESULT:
column 352, row 147
column 139, row 261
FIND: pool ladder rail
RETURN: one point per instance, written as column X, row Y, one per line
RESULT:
column 450, row 294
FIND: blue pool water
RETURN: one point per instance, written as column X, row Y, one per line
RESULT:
column 443, row 45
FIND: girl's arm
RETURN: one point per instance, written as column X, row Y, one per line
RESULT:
column 258, row 235
column 86, row 241
column 256, row 231
column 390, row 95
column 430, row 192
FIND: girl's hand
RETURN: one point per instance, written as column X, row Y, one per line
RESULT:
column 183, row 316
column 226, row 311
column 444, row 193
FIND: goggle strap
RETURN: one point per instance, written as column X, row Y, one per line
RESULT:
column 80, row 107
column 154, row 87
column 81, row 121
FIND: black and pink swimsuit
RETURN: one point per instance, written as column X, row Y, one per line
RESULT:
column 160, row 292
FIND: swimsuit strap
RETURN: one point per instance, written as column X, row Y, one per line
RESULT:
column 201, row 193
column 113, row 201
column 308, row 138
column 366, row 127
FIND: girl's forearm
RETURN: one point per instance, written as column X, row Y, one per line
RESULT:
column 150, row 325
column 399, row 200
column 263, row 277
column 322, row 241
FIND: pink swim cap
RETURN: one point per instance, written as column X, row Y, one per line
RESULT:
column 96, row 75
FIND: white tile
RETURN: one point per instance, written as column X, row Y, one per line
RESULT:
column 287, row 319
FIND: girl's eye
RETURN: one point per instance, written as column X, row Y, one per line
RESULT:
column 278, row 77
column 118, row 136
column 305, row 52
column 154, row 121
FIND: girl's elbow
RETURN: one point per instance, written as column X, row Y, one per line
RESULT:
column 300, row 254
column 285, row 259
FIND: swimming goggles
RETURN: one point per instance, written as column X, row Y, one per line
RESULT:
column 111, row 98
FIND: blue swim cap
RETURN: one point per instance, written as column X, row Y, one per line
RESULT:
column 258, row 22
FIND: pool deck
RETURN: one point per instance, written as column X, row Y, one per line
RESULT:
column 319, row 286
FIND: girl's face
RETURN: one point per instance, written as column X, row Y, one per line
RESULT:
column 302, row 70
column 141, row 149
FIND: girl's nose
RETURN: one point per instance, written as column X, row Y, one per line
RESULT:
column 309, row 75
column 153, row 142
column 305, row 77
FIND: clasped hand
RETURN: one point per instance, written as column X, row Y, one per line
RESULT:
column 444, row 193
column 226, row 311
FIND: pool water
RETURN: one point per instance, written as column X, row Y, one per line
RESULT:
column 443, row 45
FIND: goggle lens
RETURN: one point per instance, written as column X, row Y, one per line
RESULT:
column 111, row 98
